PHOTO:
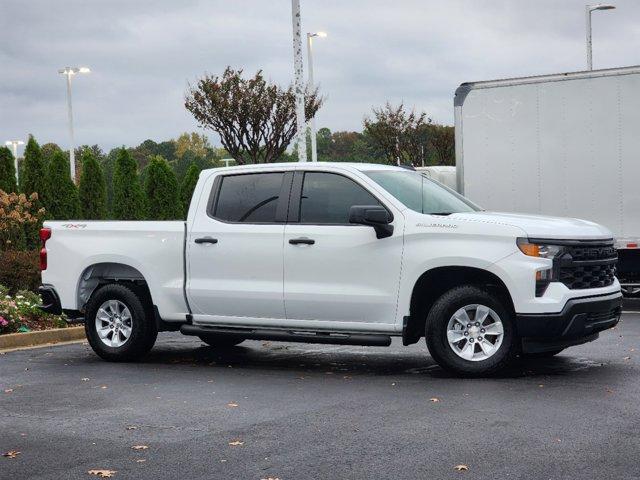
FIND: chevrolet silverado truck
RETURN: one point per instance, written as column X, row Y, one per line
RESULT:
column 336, row 253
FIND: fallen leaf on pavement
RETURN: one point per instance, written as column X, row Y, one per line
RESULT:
column 232, row 405
column 461, row 468
column 139, row 447
column 11, row 454
column 236, row 443
column 434, row 399
column 102, row 473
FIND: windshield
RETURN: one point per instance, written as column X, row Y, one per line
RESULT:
column 420, row 193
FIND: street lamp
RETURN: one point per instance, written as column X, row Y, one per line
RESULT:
column 14, row 144
column 70, row 72
column 312, row 122
column 588, row 10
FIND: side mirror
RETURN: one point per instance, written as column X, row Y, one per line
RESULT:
column 374, row 216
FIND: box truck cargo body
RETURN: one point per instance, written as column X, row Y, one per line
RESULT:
column 565, row 145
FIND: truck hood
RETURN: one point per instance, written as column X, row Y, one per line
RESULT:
column 540, row 226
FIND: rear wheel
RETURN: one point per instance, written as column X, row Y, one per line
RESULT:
column 221, row 341
column 470, row 332
column 117, row 324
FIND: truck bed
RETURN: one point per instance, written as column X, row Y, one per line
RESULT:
column 155, row 249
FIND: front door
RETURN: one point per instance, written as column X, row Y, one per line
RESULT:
column 235, row 250
column 335, row 271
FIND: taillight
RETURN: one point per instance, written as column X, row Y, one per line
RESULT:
column 45, row 234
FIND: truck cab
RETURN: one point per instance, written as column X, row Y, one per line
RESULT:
column 337, row 253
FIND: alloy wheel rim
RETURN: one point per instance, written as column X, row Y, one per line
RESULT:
column 114, row 323
column 475, row 332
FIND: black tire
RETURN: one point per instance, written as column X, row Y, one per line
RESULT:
column 548, row 354
column 436, row 332
column 143, row 326
column 221, row 341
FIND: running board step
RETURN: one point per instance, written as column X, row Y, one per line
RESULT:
column 291, row 336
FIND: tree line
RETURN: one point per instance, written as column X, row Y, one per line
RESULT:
column 125, row 184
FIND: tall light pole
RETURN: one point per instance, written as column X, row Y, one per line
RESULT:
column 70, row 72
column 312, row 122
column 14, row 144
column 588, row 10
column 298, row 74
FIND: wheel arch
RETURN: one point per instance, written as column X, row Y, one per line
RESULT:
column 101, row 273
column 436, row 281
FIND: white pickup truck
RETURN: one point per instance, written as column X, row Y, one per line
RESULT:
column 336, row 253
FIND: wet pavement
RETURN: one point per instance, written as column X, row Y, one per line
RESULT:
column 294, row 411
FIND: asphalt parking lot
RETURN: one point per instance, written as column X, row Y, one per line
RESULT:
column 294, row 411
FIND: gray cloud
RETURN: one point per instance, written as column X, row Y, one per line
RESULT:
column 143, row 54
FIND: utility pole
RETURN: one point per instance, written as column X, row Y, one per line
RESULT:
column 299, row 87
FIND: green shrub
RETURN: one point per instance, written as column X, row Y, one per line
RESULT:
column 128, row 197
column 93, row 188
column 188, row 186
column 20, row 270
column 7, row 171
column 62, row 194
column 161, row 187
column 33, row 179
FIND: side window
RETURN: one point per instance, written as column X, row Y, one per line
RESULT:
column 249, row 198
column 328, row 197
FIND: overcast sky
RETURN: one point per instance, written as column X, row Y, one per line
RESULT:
column 143, row 53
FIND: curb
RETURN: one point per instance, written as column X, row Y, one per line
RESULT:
column 44, row 337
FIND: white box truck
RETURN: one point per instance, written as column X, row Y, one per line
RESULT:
column 565, row 145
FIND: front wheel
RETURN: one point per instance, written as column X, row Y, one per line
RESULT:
column 118, row 326
column 470, row 332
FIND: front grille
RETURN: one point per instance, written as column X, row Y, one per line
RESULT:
column 587, row 265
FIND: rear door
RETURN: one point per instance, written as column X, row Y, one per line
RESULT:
column 335, row 271
column 235, row 249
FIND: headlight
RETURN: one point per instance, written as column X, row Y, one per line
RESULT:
column 541, row 250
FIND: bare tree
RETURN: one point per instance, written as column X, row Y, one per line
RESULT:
column 400, row 134
column 442, row 139
column 254, row 117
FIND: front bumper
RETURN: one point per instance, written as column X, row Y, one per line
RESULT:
column 580, row 321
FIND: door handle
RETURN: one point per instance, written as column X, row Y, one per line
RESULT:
column 206, row 240
column 302, row 241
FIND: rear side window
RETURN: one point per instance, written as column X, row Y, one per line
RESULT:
column 249, row 198
column 328, row 197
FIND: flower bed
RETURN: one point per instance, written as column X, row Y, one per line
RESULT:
column 20, row 313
